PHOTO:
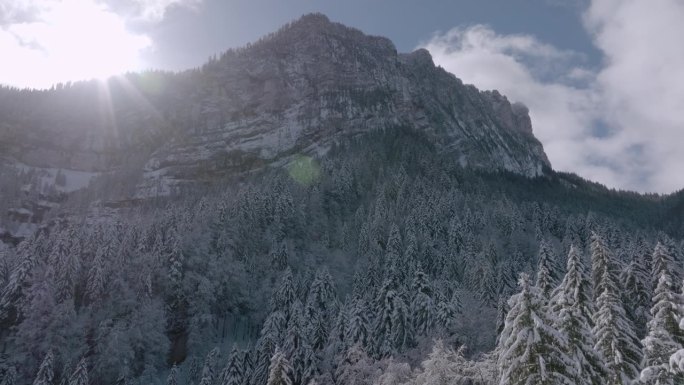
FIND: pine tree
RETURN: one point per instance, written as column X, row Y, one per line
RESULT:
column 295, row 341
column 321, row 306
column 338, row 335
column 208, row 369
column 96, row 276
column 294, row 335
column 286, row 293
column 614, row 333
column 484, row 276
column 45, row 371
column 602, row 264
column 422, row 306
column 530, row 350
column 233, row 373
column 309, row 365
column 271, row 336
column 572, row 310
column 17, row 279
column 280, row 372
column 547, row 272
column 279, row 255
column 411, row 249
column 637, row 294
column 67, row 262
column 392, row 329
column 663, row 330
column 358, row 328
column 393, row 255
column 501, row 311
column 663, row 262
column 172, row 378
column 402, row 332
column 445, row 315
column 317, row 330
column 248, row 364
column 80, row 374
column 676, row 363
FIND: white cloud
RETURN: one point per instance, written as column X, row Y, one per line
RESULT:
column 44, row 42
column 149, row 10
column 642, row 83
column 620, row 125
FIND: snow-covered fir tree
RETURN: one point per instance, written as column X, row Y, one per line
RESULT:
column 663, row 337
column 530, row 350
column 571, row 309
column 422, row 307
column 547, row 271
column 392, row 329
column 271, row 336
column 233, row 373
column 636, row 282
column 676, row 362
column 663, row 262
column 209, row 368
column 280, row 371
column 45, row 373
column 285, row 294
column 358, row 330
column 602, row 265
column 614, row 333
column 172, row 378
column 321, row 304
column 446, row 313
column 80, row 374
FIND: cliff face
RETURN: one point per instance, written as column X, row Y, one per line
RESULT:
column 296, row 91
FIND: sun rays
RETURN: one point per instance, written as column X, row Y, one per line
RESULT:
column 70, row 40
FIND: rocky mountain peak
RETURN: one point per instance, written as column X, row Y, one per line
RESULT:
column 513, row 116
column 420, row 57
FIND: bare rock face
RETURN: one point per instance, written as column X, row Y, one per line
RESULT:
column 302, row 88
column 296, row 91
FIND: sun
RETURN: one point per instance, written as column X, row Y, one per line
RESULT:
column 73, row 40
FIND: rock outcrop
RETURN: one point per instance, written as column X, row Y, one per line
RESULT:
column 296, row 91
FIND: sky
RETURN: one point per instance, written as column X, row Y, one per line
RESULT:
column 603, row 79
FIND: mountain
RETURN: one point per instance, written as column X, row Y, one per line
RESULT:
column 313, row 205
column 314, row 81
column 296, row 91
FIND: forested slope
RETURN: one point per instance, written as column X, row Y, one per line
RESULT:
column 341, row 269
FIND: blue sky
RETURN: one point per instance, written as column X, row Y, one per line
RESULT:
column 603, row 79
column 187, row 36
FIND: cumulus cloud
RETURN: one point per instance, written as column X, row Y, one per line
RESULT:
column 642, row 84
column 620, row 124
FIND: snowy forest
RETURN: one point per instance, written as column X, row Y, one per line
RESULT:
column 379, row 263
